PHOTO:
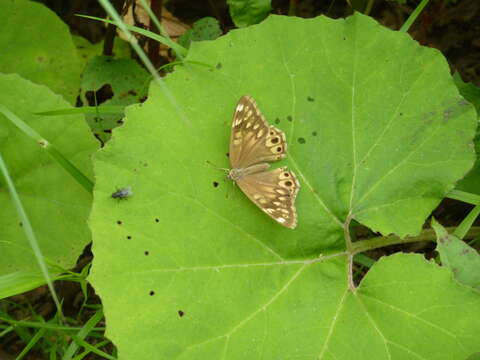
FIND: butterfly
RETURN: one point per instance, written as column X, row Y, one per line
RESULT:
column 253, row 143
column 123, row 193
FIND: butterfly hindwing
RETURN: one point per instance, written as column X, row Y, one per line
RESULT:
column 252, row 140
column 274, row 192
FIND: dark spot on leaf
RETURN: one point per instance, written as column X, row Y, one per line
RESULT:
column 301, row 140
column 277, row 121
column 151, row 293
column 145, row 164
column 447, row 114
column 142, row 99
column 146, row 253
column 314, row 133
column 108, row 131
column 464, row 252
column 228, row 154
column 180, row 313
column 309, row 98
column 157, row 220
column 289, row 118
column 132, row 92
column 40, row 59
column 120, row 122
column 219, row 66
column 119, row 222
column 215, row 184
column 20, row 223
column 108, row 60
column 129, row 237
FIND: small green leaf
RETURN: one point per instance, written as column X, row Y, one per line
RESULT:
column 87, row 51
column 37, row 45
column 248, row 12
column 123, row 80
column 463, row 261
column 206, row 28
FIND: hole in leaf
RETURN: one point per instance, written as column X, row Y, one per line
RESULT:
column 102, row 95
column 215, row 184
column 156, row 220
column 180, row 313
column 147, row 253
column 129, row 237
column 119, row 222
column 151, row 293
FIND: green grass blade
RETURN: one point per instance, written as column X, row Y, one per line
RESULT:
column 86, row 352
column 64, row 162
column 38, row 335
column 84, row 110
column 82, row 334
column 29, row 233
column 467, row 223
column 180, row 50
column 464, row 196
column 161, row 28
column 413, row 16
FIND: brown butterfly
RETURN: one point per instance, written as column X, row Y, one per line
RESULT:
column 252, row 143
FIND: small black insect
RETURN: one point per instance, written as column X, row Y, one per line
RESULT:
column 123, row 193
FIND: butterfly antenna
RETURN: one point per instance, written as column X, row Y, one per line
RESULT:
column 216, row 167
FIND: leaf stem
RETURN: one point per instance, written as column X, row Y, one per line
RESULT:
column 350, row 252
column 382, row 241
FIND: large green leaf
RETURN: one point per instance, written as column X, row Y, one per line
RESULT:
column 56, row 205
column 376, row 131
column 37, row 45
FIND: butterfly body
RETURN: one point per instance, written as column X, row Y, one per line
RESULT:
column 253, row 143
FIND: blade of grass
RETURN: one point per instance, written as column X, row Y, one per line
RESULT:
column 93, row 349
column 82, row 334
column 467, row 223
column 38, row 335
column 178, row 49
column 413, row 16
column 464, row 196
column 29, row 233
column 86, row 352
column 52, row 150
column 160, row 27
column 146, row 61
column 40, row 325
column 84, row 110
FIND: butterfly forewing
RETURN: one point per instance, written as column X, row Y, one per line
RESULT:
column 252, row 139
column 254, row 142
